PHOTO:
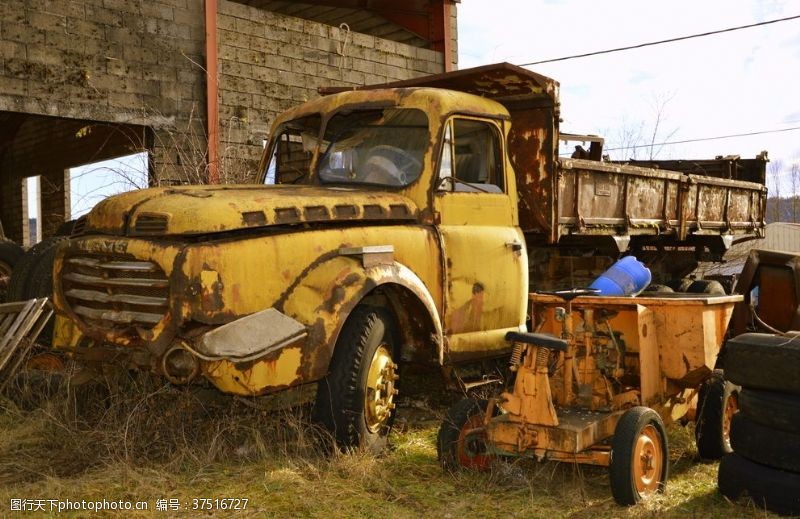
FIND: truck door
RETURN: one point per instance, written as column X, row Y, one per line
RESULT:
column 485, row 261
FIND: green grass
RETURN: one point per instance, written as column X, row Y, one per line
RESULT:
column 146, row 442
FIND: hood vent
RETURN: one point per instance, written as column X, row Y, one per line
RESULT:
column 79, row 227
column 151, row 224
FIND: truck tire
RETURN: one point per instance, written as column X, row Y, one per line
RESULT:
column 356, row 400
column 10, row 254
column 18, row 286
column 706, row 286
column 717, row 403
column 654, row 287
column 639, row 456
column 454, row 450
column 40, row 280
column 764, row 361
column 773, row 489
column 770, row 447
column 680, row 285
column 774, row 410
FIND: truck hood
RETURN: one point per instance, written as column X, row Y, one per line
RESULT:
column 193, row 210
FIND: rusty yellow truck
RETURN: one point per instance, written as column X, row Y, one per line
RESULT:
column 394, row 224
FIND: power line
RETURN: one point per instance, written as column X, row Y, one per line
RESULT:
column 670, row 40
column 702, row 139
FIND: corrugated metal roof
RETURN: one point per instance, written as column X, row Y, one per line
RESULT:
column 779, row 236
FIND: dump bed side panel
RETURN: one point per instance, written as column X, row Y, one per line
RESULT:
column 597, row 198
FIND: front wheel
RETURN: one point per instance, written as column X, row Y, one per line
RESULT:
column 461, row 442
column 356, row 400
column 639, row 456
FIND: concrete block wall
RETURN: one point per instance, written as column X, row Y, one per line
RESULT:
column 270, row 62
column 142, row 62
column 136, row 61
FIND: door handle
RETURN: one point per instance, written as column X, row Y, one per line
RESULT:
column 514, row 245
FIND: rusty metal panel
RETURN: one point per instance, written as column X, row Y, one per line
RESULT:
column 605, row 198
column 776, row 275
column 531, row 150
column 20, row 324
column 502, row 82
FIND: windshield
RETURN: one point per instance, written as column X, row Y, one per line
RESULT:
column 377, row 147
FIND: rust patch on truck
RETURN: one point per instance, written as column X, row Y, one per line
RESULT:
column 468, row 316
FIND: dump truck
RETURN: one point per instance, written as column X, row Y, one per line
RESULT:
column 390, row 225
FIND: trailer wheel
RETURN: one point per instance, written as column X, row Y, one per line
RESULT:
column 455, row 448
column 776, row 490
column 774, row 410
column 356, row 400
column 639, row 456
column 10, row 253
column 764, row 361
column 718, row 402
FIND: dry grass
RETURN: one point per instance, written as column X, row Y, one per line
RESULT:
column 135, row 439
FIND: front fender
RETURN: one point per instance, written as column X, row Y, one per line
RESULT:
column 327, row 295
column 322, row 300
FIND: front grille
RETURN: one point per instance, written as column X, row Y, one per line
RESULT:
column 115, row 294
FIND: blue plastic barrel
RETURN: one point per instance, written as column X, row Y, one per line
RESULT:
column 626, row 277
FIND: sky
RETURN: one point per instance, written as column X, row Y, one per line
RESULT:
column 738, row 82
column 91, row 184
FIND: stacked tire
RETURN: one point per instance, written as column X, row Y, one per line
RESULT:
column 32, row 277
column 10, row 254
column 765, row 433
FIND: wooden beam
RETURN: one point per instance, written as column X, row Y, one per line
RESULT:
column 212, row 92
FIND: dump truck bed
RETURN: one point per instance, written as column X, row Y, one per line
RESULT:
column 604, row 198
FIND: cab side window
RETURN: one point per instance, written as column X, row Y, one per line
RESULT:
column 471, row 158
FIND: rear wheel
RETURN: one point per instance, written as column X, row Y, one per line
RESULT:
column 718, row 402
column 639, row 456
column 461, row 443
column 356, row 400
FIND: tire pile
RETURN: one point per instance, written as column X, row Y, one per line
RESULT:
column 765, row 433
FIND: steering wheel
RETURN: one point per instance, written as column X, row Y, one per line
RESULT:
column 390, row 165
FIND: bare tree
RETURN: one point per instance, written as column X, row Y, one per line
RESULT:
column 774, row 184
column 627, row 140
column 794, row 177
column 659, row 105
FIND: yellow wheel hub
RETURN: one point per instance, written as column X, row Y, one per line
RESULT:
column 380, row 393
column 648, row 461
